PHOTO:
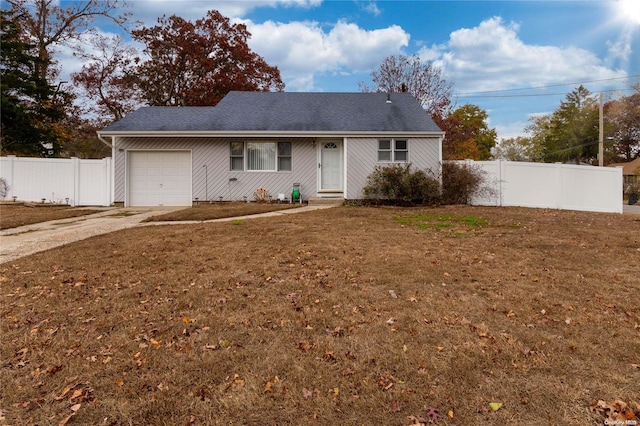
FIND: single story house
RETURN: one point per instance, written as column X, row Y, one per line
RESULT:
column 326, row 142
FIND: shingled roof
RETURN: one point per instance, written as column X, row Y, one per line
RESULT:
column 284, row 112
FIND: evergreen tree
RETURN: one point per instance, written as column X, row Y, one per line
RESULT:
column 30, row 115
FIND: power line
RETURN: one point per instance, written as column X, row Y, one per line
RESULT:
column 571, row 148
column 532, row 95
column 510, row 96
column 465, row 94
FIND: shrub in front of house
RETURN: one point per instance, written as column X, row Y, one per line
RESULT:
column 401, row 184
column 460, row 182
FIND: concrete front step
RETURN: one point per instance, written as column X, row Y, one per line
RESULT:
column 326, row 201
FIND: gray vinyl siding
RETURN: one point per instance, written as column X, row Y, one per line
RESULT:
column 362, row 158
column 215, row 154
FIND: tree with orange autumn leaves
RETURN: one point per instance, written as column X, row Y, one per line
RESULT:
column 198, row 63
column 184, row 63
column 467, row 134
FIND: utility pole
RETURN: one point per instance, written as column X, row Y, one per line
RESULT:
column 601, row 135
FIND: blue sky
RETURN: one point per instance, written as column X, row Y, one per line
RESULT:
column 502, row 46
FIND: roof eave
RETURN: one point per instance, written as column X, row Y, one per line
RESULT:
column 267, row 133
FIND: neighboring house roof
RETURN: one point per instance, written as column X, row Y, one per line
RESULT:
column 284, row 113
column 629, row 168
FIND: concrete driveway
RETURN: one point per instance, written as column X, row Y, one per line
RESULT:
column 25, row 240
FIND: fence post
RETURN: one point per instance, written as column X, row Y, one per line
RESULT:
column 108, row 181
column 9, row 175
column 75, row 161
column 499, row 173
column 559, row 200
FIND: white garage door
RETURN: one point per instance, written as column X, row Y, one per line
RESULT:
column 159, row 178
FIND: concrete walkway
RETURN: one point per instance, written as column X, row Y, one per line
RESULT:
column 29, row 239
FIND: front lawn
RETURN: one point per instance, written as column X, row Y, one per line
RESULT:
column 13, row 215
column 19, row 214
column 345, row 316
column 219, row 210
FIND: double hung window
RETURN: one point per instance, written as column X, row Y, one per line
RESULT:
column 393, row 151
column 237, row 156
column 284, row 156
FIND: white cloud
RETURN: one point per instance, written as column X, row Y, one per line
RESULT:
column 491, row 56
column 302, row 50
column 372, row 7
column 433, row 53
column 510, row 130
column 621, row 48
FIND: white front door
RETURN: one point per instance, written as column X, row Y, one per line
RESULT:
column 331, row 166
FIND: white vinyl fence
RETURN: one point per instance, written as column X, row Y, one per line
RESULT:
column 555, row 186
column 58, row 180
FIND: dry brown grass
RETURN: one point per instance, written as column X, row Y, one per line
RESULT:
column 343, row 316
column 14, row 215
column 219, row 210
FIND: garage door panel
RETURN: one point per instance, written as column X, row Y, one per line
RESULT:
column 137, row 185
column 170, row 186
column 154, row 171
column 159, row 178
column 137, row 171
column 170, row 171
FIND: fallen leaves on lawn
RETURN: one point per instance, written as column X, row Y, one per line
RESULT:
column 81, row 392
column 433, row 417
column 76, row 394
column 386, row 382
column 234, row 382
column 618, row 410
column 305, row 346
column 139, row 359
column 433, row 414
column 417, row 421
column 495, row 406
column 329, row 356
column 271, row 384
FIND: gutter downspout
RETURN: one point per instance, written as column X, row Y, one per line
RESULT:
column 104, row 141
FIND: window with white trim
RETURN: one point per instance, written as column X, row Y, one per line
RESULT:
column 284, row 156
column 237, row 156
column 393, row 151
column 260, row 156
